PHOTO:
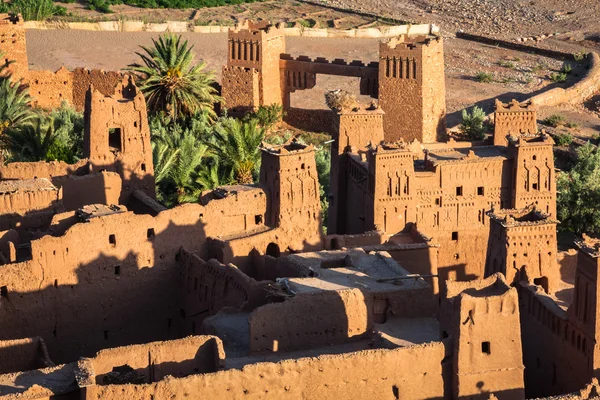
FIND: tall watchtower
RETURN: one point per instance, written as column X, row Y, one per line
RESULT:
column 288, row 175
column 533, row 171
column 252, row 77
column 412, row 88
column 117, row 136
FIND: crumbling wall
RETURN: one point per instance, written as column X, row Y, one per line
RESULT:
column 99, row 188
column 154, row 361
column 49, row 89
column 41, row 169
column 404, row 373
column 240, row 89
column 103, row 81
column 207, row 287
column 108, row 282
column 23, row 355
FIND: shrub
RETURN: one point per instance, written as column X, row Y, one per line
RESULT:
column 566, row 68
column 563, row 139
column 538, row 68
column 484, row 77
column 472, row 125
column 506, row 64
column 571, row 125
column 579, row 57
column 558, row 77
column 267, row 116
column 555, row 120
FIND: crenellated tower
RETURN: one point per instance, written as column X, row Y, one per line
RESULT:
column 251, row 77
column 533, row 173
column 513, row 119
column 412, row 88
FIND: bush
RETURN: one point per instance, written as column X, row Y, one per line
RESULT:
column 579, row 57
column 472, row 125
column 558, row 77
column 506, row 64
column 555, row 120
column 566, row 68
column 563, row 139
column 267, row 116
column 484, row 77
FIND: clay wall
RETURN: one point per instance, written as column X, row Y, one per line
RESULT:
column 108, row 282
column 41, row 169
column 12, row 43
column 98, row 188
column 240, row 89
column 410, row 372
column 487, row 354
column 49, row 89
column 103, row 81
column 154, row 361
column 546, row 326
column 208, row 286
column 23, row 355
column 513, row 119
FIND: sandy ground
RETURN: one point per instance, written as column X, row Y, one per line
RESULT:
column 515, row 74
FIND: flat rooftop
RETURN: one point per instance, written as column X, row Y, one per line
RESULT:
column 471, row 154
column 26, row 185
column 352, row 269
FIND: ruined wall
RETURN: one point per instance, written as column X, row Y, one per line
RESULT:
column 240, row 89
column 207, row 287
column 117, row 137
column 407, row 373
column 49, row 89
column 23, row 355
column 103, row 81
column 98, row 188
column 41, row 169
column 154, row 361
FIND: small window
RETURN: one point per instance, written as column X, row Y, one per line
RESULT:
column 303, row 166
column 534, row 186
column 437, row 201
column 144, row 167
column 459, row 190
column 456, row 256
column 117, row 270
column 201, row 216
column 150, row 233
column 485, row 348
column 454, row 235
column 4, row 292
column 112, row 239
column 480, row 191
column 114, row 139
column 534, row 158
column 258, row 219
column 105, row 335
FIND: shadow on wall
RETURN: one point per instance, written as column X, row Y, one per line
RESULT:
column 129, row 294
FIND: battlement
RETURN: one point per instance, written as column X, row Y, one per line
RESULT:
column 589, row 245
column 514, row 106
column 410, row 42
column 290, row 148
column 323, row 60
column 261, row 30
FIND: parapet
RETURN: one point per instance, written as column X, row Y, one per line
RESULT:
column 528, row 216
column 494, row 285
column 514, row 106
column 410, row 42
column 589, row 245
column 537, row 139
column 263, row 28
column 292, row 146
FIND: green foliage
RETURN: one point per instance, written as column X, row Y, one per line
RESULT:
column 35, row 10
column 578, row 193
column 507, row 64
column 69, row 127
column 555, row 120
column 267, row 116
column 566, row 68
column 558, row 77
column 563, row 139
column 539, row 68
column 30, row 142
column 104, row 5
column 484, row 77
column 579, row 57
column 472, row 125
column 236, row 144
column 169, row 81
column 14, row 104
column 323, row 161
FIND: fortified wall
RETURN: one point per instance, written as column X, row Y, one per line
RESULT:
column 47, row 88
column 408, row 79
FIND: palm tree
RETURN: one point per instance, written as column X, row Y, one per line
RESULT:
column 30, row 142
column 170, row 82
column 236, row 145
column 14, row 100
